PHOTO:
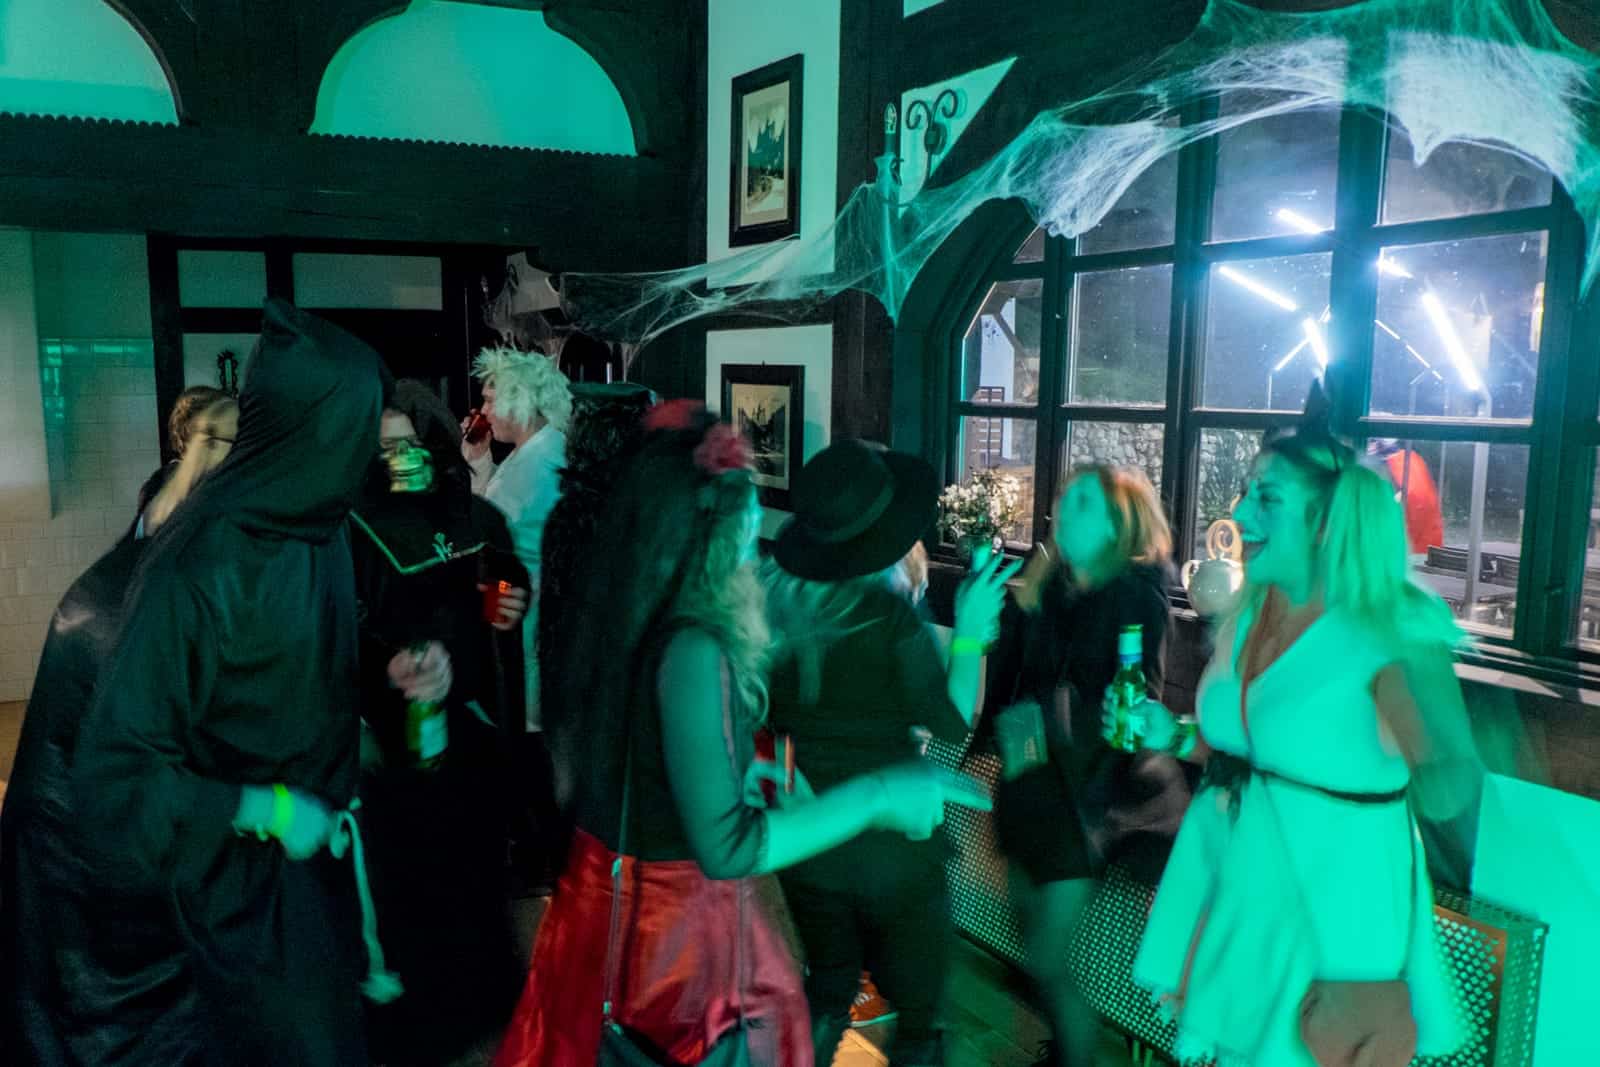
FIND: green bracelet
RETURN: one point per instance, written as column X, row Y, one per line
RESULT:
column 1185, row 738
column 967, row 646
column 282, row 812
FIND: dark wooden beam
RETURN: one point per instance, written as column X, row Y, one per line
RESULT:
column 863, row 333
column 586, row 212
column 962, row 35
column 166, row 332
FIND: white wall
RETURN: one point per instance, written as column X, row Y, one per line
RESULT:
column 476, row 74
column 743, row 35
column 24, row 470
column 810, row 347
column 77, row 469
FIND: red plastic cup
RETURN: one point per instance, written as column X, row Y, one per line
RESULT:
column 767, row 752
column 477, row 427
column 491, row 600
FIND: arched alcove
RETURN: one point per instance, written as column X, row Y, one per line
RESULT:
column 103, row 69
column 472, row 74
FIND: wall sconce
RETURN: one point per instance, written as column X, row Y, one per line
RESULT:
column 932, row 119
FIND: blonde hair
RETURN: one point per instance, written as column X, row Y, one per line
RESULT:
column 808, row 616
column 915, row 568
column 526, row 385
column 192, row 405
column 1362, row 562
column 722, row 595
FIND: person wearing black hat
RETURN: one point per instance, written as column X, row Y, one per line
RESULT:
column 672, row 839
column 856, row 672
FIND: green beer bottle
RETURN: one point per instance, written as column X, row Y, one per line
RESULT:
column 1128, row 690
column 427, row 729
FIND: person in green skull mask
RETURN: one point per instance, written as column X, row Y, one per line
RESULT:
column 427, row 551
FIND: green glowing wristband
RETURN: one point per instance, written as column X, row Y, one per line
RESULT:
column 967, row 646
column 1185, row 738
column 282, row 812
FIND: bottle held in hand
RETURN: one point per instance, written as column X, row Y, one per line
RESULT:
column 427, row 728
column 1128, row 691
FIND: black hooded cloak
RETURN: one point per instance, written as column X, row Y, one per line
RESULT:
column 237, row 665
column 40, row 871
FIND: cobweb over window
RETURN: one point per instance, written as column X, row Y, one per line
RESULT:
column 1481, row 71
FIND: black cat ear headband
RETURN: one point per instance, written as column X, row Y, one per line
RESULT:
column 1312, row 432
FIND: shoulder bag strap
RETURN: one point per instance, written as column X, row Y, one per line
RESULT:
column 614, row 933
column 741, row 888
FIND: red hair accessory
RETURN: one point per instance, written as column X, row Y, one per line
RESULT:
column 723, row 450
column 672, row 415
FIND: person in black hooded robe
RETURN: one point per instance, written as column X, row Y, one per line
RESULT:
column 40, row 910
column 224, row 737
column 437, row 836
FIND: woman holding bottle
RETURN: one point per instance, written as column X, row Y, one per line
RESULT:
column 1067, row 802
column 1294, row 924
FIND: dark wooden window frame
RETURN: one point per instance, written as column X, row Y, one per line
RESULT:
column 460, row 266
column 1563, row 437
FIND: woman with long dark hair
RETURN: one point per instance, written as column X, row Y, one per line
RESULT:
column 1294, row 924
column 673, row 687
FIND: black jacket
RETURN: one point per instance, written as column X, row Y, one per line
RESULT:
column 41, row 872
column 236, row 665
column 1127, row 807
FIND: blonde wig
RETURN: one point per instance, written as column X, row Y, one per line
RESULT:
column 526, row 385
column 1361, row 561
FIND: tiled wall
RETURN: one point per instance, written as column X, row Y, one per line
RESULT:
column 100, row 417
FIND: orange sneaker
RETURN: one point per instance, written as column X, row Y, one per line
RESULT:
column 870, row 1008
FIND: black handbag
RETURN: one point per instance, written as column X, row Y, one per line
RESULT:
column 618, row 1046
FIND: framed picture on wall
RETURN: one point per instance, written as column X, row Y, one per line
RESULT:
column 764, row 200
column 766, row 403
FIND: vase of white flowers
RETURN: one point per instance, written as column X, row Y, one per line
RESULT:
column 980, row 511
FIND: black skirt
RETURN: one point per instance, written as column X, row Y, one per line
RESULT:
column 1058, row 822
column 1039, row 829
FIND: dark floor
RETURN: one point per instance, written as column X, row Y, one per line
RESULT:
column 990, row 1026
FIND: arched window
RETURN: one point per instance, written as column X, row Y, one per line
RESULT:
column 102, row 69
column 472, row 74
column 1195, row 316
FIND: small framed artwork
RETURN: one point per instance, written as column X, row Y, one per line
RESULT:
column 766, row 403
column 764, row 200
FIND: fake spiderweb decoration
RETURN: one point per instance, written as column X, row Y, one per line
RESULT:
column 1493, row 72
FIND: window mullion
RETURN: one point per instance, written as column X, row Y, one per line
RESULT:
column 1197, row 170
column 1556, row 504
column 1353, row 285
column 1054, row 352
